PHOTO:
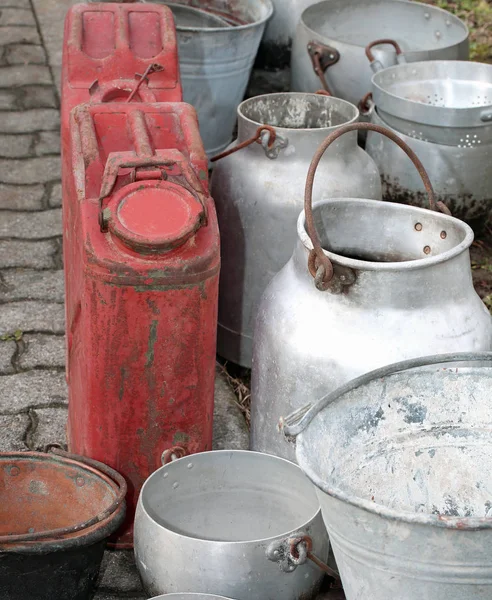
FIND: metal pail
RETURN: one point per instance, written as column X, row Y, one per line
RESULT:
column 216, row 61
column 223, row 522
column 332, row 35
column 56, row 514
column 401, row 460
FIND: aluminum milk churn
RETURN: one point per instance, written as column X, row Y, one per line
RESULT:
column 258, row 193
column 368, row 283
column 142, row 274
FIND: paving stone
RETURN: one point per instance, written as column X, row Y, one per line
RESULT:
column 42, row 350
column 15, row 3
column 32, row 316
column 23, row 197
column 17, row 16
column 32, row 389
column 30, row 170
column 12, row 431
column 32, row 285
column 31, row 255
column 8, row 100
column 24, row 75
column 30, row 225
column 19, row 35
column 39, row 96
column 40, row 119
column 50, row 428
column 48, row 142
column 55, row 199
column 119, row 572
column 25, row 54
column 15, row 146
column 7, row 350
column 230, row 429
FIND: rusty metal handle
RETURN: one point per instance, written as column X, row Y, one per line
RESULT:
column 301, row 549
column 163, row 160
column 256, row 138
column 370, row 46
column 365, row 104
column 319, row 264
column 323, row 93
column 172, row 454
column 322, row 57
column 63, row 531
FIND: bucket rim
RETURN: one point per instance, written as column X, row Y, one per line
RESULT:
column 404, row 265
column 225, row 30
column 328, row 99
column 102, row 527
column 436, row 9
column 230, row 543
column 440, row 521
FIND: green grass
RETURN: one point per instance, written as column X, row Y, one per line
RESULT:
column 477, row 14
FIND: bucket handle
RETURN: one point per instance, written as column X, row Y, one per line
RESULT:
column 297, row 421
column 376, row 65
column 319, row 265
column 62, row 531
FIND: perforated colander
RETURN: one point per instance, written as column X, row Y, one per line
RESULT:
column 445, row 102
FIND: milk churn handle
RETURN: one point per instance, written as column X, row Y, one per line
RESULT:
column 322, row 57
column 319, row 264
column 297, row 421
column 63, row 531
column 370, row 46
column 256, row 138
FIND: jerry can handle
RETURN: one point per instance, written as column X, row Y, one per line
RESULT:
column 297, row 421
column 161, row 160
column 319, row 264
column 376, row 65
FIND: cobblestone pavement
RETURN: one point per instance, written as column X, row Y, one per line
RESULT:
column 33, row 394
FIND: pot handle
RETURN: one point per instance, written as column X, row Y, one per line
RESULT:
column 296, row 550
column 319, row 264
column 376, row 65
column 322, row 57
column 295, row 423
column 486, row 115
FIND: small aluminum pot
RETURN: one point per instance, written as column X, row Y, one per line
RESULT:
column 229, row 522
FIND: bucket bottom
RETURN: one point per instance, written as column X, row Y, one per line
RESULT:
column 62, row 575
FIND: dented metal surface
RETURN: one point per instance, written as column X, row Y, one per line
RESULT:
column 141, row 295
column 259, row 197
column 229, row 513
column 56, row 514
column 401, row 460
column 424, row 32
column 461, row 176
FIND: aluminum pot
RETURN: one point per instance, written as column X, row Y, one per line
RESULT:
column 258, row 194
column 224, row 522
column 383, row 281
column 332, row 35
column 216, row 60
column 461, row 176
column 400, row 458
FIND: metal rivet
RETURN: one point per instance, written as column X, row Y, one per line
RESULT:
column 427, row 249
column 80, row 481
column 175, row 485
column 444, row 235
column 427, row 15
column 418, row 226
column 438, row 34
column 166, row 475
column 190, row 465
column 448, row 23
column 14, row 471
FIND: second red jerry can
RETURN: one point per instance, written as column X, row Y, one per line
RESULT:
column 142, row 264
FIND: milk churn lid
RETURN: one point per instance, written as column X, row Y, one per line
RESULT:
column 151, row 216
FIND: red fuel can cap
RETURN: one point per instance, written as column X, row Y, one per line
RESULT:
column 149, row 216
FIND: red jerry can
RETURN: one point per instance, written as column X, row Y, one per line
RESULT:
column 142, row 264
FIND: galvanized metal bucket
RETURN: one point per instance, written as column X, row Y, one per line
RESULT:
column 56, row 514
column 401, row 460
column 330, row 42
column 225, row 523
column 216, row 60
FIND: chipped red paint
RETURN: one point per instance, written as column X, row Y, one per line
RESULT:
column 141, row 310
